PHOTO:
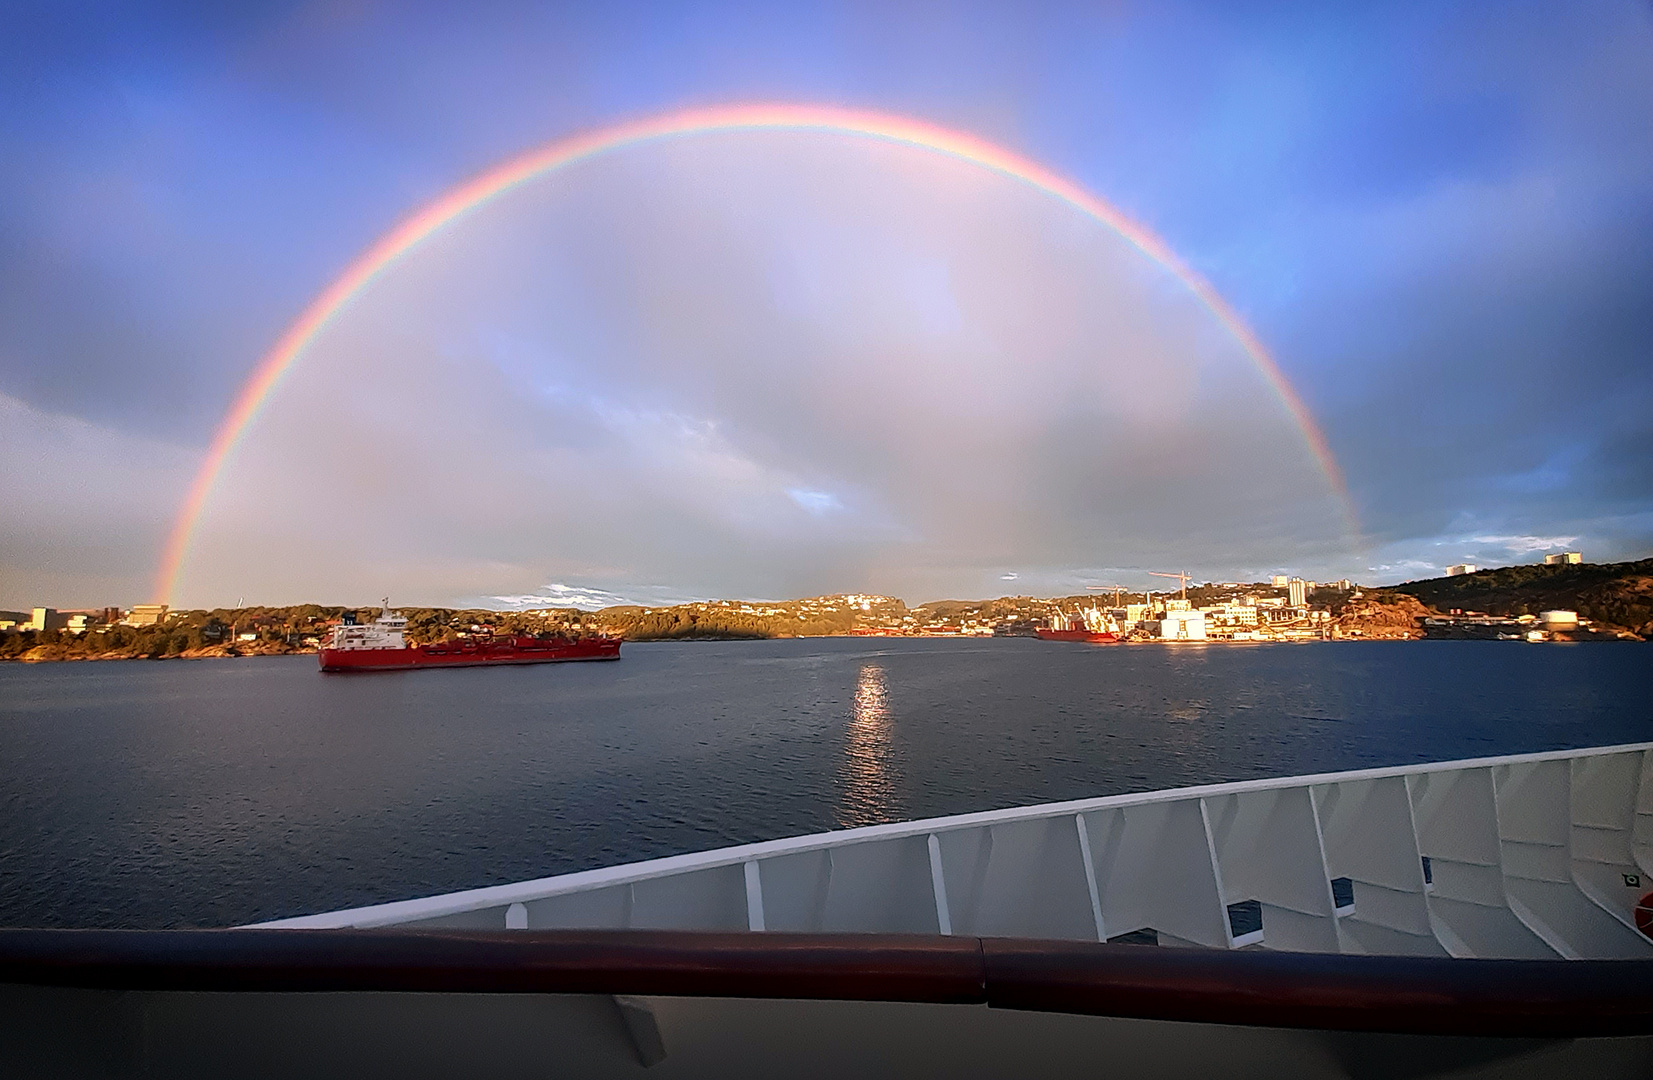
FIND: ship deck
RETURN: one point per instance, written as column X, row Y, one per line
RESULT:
column 1471, row 918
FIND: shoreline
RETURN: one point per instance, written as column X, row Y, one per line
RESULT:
column 224, row 653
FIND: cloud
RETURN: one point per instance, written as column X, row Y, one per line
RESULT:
column 1403, row 566
column 815, row 502
column 85, row 506
column 1525, row 545
column 557, row 594
column 596, row 381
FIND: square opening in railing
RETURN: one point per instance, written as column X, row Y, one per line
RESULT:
column 1343, row 894
column 1245, row 921
column 1145, row 936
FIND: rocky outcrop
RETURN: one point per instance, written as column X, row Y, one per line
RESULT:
column 1380, row 615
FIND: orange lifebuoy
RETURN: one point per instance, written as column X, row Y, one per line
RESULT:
column 1644, row 915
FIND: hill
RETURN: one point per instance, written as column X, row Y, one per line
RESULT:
column 1615, row 594
column 1379, row 615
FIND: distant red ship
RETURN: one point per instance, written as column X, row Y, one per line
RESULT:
column 380, row 646
column 1093, row 626
column 1047, row 633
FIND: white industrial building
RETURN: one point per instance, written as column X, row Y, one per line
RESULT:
column 1182, row 626
column 146, row 615
column 1230, row 614
column 45, row 618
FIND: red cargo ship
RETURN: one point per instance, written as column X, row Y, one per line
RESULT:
column 1093, row 626
column 380, row 646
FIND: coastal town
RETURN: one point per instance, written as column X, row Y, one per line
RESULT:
column 1561, row 600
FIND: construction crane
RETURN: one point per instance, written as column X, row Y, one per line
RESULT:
column 1104, row 588
column 1183, row 579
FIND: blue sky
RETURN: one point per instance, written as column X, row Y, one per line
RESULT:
column 1437, row 216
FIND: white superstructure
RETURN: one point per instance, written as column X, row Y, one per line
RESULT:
column 385, row 632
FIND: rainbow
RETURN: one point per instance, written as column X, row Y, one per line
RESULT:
column 562, row 153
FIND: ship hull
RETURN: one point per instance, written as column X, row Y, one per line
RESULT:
column 1087, row 636
column 479, row 654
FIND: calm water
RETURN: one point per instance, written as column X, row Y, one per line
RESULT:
column 223, row 791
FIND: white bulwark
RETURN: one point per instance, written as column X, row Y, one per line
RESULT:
column 1536, row 855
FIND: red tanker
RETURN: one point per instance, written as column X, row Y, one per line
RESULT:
column 380, row 646
column 1046, row 633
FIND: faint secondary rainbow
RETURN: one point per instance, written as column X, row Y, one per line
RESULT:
column 576, row 148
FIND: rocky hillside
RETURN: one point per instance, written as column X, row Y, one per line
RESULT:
column 1615, row 594
column 1379, row 614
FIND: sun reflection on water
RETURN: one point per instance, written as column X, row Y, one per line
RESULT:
column 867, row 791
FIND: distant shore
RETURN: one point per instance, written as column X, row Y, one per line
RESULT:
column 1612, row 602
column 50, row 654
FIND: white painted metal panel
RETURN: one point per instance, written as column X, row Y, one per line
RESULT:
column 1018, row 879
column 490, row 918
column 1370, row 839
column 588, row 909
column 1535, row 829
column 1642, row 831
column 710, row 899
column 1154, row 870
column 1268, row 849
column 1604, row 791
column 795, row 891
column 881, row 886
column 1457, row 822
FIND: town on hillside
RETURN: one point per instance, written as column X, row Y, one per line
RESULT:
column 1563, row 599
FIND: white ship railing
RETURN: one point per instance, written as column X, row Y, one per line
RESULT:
column 1533, row 855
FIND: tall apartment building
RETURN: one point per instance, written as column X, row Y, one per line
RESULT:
column 1297, row 592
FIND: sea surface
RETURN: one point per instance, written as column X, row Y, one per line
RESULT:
column 218, row 792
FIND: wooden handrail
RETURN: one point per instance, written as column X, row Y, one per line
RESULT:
column 1417, row 995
